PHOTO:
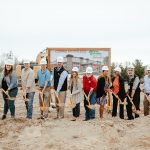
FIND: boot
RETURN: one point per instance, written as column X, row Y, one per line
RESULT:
column 26, row 104
column 42, row 116
column 101, row 112
column 3, row 117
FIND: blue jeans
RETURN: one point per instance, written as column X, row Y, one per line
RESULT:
column 90, row 113
column 30, row 96
column 9, row 103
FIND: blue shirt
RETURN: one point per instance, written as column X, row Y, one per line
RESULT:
column 43, row 76
column 147, row 84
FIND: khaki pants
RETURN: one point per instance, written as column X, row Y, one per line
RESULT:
column 60, row 109
column 146, row 106
column 44, row 105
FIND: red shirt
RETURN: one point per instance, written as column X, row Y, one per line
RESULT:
column 89, row 83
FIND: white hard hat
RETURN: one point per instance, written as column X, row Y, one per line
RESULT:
column 118, row 69
column 148, row 68
column 9, row 62
column 75, row 69
column 130, row 66
column 43, row 62
column 26, row 61
column 60, row 59
column 105, row 68
column 89, row 70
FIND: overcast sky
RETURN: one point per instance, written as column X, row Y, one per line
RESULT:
column 29, row 26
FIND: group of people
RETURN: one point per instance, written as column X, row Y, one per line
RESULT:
column 90, row 90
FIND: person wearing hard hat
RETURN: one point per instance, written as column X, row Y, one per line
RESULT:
column 118, row 89
column 102, row 89
column 133, row 92
column 146, row 103
column 60, row 85
column 43, row 77
column 89, row 88
column 10, row 88
column 28, row 87
column 76, row 94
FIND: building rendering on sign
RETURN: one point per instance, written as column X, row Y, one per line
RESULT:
column 80, row 57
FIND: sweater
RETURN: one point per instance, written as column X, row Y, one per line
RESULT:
column 89, row 83
column 77, row 93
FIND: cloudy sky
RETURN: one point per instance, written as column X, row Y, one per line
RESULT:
column 29, row 26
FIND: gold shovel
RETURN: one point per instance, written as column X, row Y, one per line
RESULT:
column 42, row 101
column 88, row 100
column 119, row 100
column 6, row 93
column 73, row 105
column 24, row 96
column 57, row 99
column 148, row 99
column 133, row 106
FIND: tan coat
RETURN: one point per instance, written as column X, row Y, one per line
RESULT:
column 27, row 80
column 77, row 92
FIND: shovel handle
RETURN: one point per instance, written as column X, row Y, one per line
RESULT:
column 42, row 101
column 5, row 93
column 132, row 103
column 147, row 98
column 120, row 102
column 58, row 104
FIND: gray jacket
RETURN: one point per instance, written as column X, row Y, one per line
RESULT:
column 11, row 80
column 77, row 92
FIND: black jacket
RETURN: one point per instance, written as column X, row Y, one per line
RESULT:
column 100, row 91
column 121, row 93
column 57, row 74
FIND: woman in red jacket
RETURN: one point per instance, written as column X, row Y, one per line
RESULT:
column 89, row 87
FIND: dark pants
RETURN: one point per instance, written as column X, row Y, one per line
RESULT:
column 136, row 101
column 114, row 110
column 9, row 104
column 76, row 110
column 90, row 113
